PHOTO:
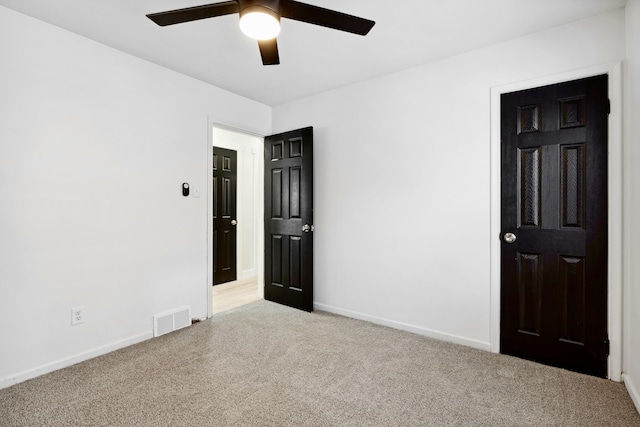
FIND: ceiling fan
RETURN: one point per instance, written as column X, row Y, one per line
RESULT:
column 260, row 19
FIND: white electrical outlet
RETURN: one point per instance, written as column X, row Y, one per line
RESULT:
column 77, row 315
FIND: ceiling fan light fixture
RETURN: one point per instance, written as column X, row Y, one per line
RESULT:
column 260, row 23
column 260, row 20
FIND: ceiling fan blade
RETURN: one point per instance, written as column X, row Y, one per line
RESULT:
column 325, row 17
column 269, row 52
column 194, row 13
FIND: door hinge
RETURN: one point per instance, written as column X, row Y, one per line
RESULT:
column 608, row 106
column 606, row 346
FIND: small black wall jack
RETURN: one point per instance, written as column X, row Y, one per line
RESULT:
column 185, row 189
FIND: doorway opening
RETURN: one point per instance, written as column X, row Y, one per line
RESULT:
column 245, row 286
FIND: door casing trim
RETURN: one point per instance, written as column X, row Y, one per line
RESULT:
column 614, row 162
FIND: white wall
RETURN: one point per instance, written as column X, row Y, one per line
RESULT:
column 95, row 146
column 631, row 362
column 402, row 180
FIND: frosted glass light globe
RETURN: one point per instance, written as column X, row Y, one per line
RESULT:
column 259, row 25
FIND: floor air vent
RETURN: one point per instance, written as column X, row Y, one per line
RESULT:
column 170, row 321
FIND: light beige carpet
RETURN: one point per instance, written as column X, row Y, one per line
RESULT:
column 268, row 365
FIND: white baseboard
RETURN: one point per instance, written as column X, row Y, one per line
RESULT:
column 247, row 279
column 634, row 392
column 442, row 336
column 248, row 274
column 72, row 360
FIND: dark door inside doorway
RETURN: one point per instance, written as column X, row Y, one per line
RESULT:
column 224, row 215
column 288, row 221
column 554, row 204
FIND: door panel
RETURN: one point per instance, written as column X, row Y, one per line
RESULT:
column 554, row 200
column 288, row 208
column 224, row 215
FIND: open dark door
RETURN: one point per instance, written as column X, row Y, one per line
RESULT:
column 554, row 225
column 224, row 215
column 288, row 218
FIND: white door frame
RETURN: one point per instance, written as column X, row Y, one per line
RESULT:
column 614, row 312
column 259, row 200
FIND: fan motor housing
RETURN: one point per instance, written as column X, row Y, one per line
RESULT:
column 272, row 7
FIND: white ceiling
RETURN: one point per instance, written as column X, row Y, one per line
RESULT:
column 313, row 59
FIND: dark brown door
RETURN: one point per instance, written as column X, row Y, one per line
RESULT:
column 554, row 204
column 288, row 221
column 224, row 215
